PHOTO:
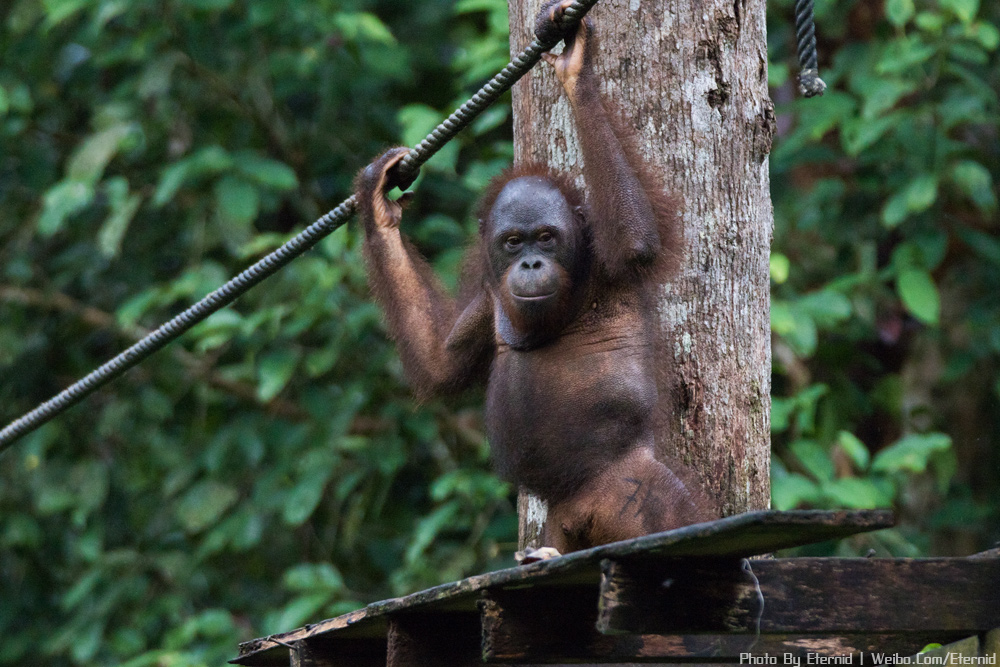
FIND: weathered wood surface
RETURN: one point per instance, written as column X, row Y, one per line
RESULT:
column 550, row 626
column 434, row 639
column 802, row 595
column 814, row 608
column 737, row 536
column 322, row 652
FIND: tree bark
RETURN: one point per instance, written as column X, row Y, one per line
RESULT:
column 690, row 79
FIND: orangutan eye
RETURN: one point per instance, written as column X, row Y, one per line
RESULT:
column 544, row 237
column 513, row 242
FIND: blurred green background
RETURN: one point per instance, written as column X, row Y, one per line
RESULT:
column 273, row 469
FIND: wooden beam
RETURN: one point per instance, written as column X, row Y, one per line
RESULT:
column 558, row 625
column 740, row 535
column 432, row 640
column 330, row 652
column 536, row 624
column 801, row 595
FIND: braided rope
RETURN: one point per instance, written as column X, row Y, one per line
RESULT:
column 300, row 243
column 810, row 84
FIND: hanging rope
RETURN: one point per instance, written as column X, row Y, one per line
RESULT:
column 292, row 248
column 810, row 85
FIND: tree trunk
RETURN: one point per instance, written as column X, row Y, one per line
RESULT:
column 690, row 79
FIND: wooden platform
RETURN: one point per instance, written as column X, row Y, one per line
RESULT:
column 683, row 596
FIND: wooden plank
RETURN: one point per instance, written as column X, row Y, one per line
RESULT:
column 557, row 625
column 801, row 595
column 322, row 651
column 303, row 655
column 336, row 652
column 432, row 640
column 741, row 535
column 536, row 624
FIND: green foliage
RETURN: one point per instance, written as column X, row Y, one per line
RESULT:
column 885, row 267
column 272, row 468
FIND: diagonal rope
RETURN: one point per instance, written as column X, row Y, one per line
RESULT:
column 292, row 248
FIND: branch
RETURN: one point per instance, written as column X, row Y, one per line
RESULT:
column 99, row 319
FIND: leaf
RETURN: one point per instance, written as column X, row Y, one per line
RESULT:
column 80, row 590
column 273, row 174
column 207, row 161
column 932, row 22
column 919, row 294
column 917, row 196
column 969, row 53
column 899, row 11
column 58, row 11
column 826, row 307
column 895, row 210
column 911, row 453
column 791, row 491
column 305, row 496
column 204, row 504
column 984, row 245
column 60, row 202
column 236, row 201
column 814, row 458
column 782, row 410
column 417, row 121
column 469, row 6
column 274, row 372
column 854, row 449
column 817, row 120
column 795, row 325
column 860, row 133
column 780, row 266
column 904, row 54
column 921, row 251
column 171, row 180
column 975, row 181
column 965, row 10
column 429, row 527
column 209, row 5
column 921, row 193
column 987, row 34
column 93, row 155
column 855, row 493
column 217, row 330
column 123, row 208
column 362, row 26
column 491, row 119
column 308, row 577
column 156, row 78
column 297, row 612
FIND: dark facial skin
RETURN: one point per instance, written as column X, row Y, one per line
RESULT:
column 556, row 314
column 532, row 233
column 538, row 258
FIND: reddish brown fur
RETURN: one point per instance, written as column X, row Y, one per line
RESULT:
column 572, row 388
